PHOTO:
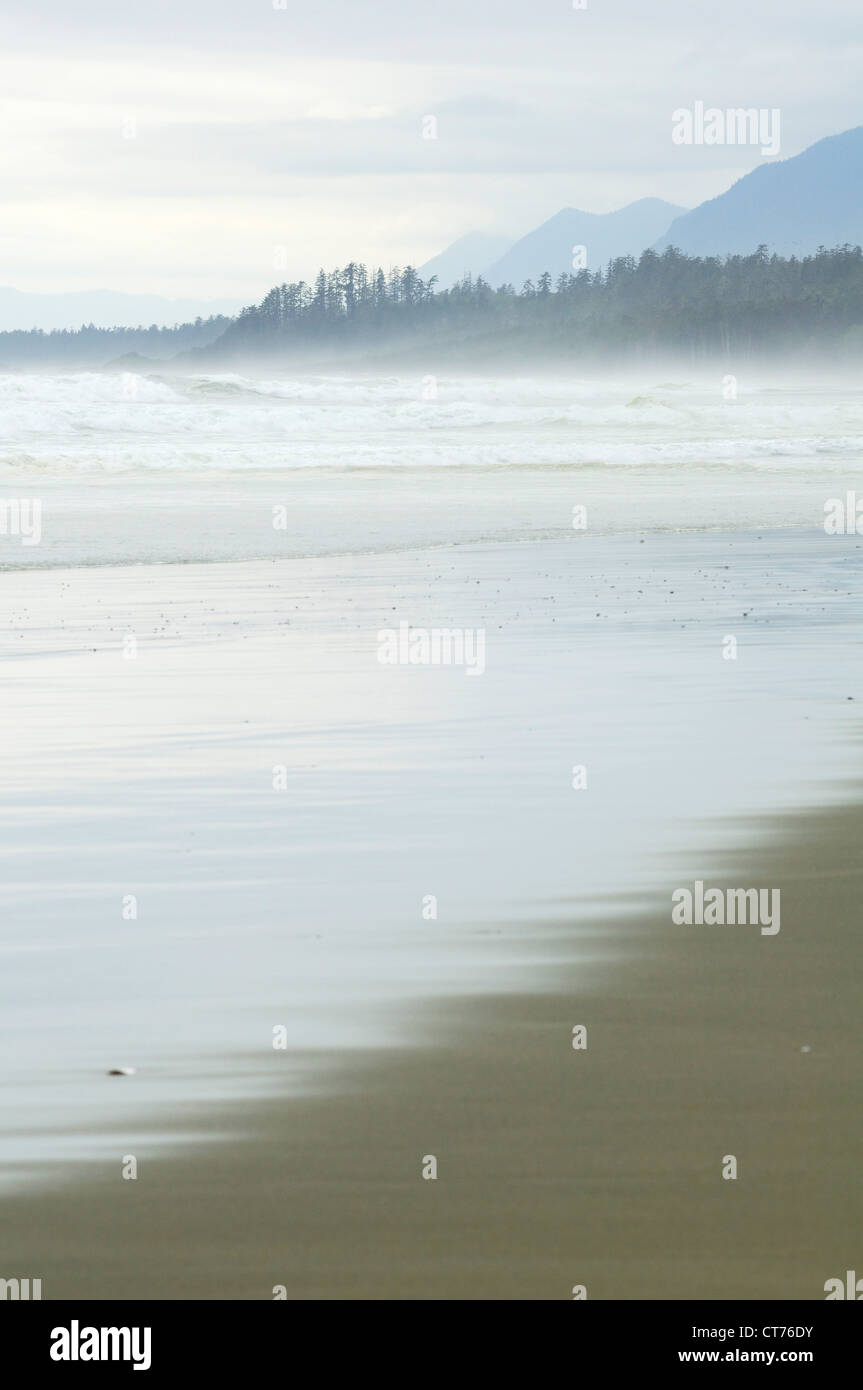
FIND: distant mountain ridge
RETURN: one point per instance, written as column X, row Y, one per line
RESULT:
column 554, row 246
column 551, row 246
column 467, row 256
column 792, row 206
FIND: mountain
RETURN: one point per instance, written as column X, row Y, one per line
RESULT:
column 103, row 308
column 468, row 256
column 793, row 206
column 629, row 231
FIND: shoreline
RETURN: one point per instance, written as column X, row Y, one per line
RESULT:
column 556, row 1168
column 452, row 1038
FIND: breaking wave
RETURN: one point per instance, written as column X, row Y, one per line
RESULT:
column 116, row 422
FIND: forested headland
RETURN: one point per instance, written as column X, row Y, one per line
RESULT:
column 88, row 346
column 668, row 305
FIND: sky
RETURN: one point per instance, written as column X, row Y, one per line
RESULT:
column 210, row 148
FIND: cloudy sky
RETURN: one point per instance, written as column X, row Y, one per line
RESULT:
column 189, row 147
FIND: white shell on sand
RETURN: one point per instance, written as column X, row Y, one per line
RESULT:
column 122, row 1071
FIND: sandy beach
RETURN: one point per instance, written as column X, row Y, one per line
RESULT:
column 556, row 1168
column 406, row 1038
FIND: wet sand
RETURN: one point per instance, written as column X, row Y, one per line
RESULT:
column 556, row 1167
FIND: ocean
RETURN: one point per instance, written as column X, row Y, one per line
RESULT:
column 156, row 468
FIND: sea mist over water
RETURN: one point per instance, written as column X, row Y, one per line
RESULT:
column 134, row 467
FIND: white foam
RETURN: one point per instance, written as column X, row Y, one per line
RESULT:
column 125, row 422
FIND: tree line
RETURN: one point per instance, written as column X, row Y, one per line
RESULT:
column 698, row 306
column 670, row 303
column 91, row 346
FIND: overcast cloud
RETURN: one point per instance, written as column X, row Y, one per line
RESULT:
column 173, row 147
